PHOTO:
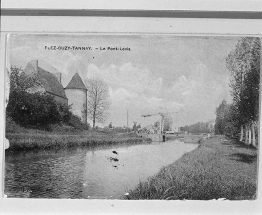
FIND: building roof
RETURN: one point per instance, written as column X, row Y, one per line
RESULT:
column 76, row 83
column 47, row 79
column 51, row 83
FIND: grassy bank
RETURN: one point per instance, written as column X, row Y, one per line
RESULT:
column 63, row 136
column 22, row 142
column 219, row 168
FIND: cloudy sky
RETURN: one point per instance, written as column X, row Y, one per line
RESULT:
column 160, row 73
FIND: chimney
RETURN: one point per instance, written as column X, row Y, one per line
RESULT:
column 34, row 63
column 59, row 76
column 31, row 67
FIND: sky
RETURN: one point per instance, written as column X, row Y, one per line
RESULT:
column 182, row 75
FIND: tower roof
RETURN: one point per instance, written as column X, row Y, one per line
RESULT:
column 76, row 83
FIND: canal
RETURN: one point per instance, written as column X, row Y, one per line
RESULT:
column 90, row 173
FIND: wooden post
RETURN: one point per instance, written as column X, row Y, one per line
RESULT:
column 246, row 136
column 249, row 135
column 254, row 135
column 242, row 133
column 161, row 124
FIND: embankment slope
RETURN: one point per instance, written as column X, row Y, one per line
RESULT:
column 218, row 168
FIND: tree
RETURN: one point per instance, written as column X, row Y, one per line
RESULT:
column 244, row 64
column 97, row 100
column 30, row 109
column 33, row 109
column 221, row 117
column 20, row 82
column 135, row 126
column 226, row 120
column 199, row 127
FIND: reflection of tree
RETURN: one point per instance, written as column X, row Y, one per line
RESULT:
column 97, row 100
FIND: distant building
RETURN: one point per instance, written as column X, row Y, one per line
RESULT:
column 76, row 93
column 50, row 83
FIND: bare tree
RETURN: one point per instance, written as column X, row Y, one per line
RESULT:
column 97, row 100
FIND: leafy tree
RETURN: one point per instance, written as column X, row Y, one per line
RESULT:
column 97, row 100
column 28, row 107
column 135, row 126
column 75, row 121
column 65, row 112
column 199, row 127
column 226, row 120
column 33, row 110
column 221, row 117
column 244, row 64
column 19, row 81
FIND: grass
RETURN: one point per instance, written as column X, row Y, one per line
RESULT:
column 21, row 142
column 63, row 136
column 219, row 168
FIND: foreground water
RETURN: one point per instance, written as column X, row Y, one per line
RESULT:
column 100, row 172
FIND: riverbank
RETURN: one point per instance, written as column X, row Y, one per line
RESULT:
column 32, row 141
column 218, row 168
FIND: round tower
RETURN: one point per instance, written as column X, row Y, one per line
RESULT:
column 76, row 93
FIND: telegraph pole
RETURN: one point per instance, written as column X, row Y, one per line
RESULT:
column 127, row 120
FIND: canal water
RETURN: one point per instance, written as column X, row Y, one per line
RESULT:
column 95, row 173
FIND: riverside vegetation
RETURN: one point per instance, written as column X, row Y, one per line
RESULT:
column 36, row 121
column 63, row 136
column 20, row 142
column 218, row 168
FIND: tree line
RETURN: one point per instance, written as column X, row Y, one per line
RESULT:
column 199, row 127
column 241, row 117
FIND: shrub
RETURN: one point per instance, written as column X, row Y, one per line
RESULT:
column 64, row 112
column 33, row 110
column 26, row 106
column 75, row 122
column 11, row 126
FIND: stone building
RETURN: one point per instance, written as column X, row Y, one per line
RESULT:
column 49, row 83
column 76, row 93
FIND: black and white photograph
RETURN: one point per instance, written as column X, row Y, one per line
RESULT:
column 132, row 116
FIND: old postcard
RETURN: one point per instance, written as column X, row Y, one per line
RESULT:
column 166, row 117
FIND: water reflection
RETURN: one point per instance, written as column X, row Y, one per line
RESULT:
column 100, row 172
